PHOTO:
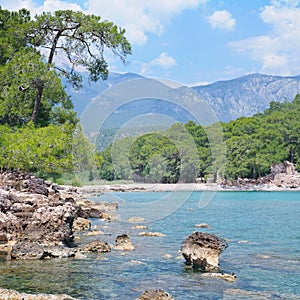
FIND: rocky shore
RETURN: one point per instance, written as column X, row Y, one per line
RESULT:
column 37, row 217
column 14, row 295
column 39, row 220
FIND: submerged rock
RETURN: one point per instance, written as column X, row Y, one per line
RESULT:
column 155, row 295
column 202, row 225
column 202, row 250
column 136, row 220
column 225, row 276
column 257, row 295
column 94, row 232
column 149, row 233
column 142, row 227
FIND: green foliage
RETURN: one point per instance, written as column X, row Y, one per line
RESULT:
column 20, row 81
column 44, row 151
column 154, row 158
column 50, row 151
column 253, row 145
column 157, row 157
column 38, row 131
column 114, row 164
column 83, row 39
column 256, row 143
column 30, row 90
column 83, row 152
column 12, row 32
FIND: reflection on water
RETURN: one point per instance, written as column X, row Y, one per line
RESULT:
column 263, row 231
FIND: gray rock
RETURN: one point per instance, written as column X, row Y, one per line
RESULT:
column 155, row 295
column 123, row 243
column 202, row 250
column 33, row 250
column 81, row 224
column 97, row 246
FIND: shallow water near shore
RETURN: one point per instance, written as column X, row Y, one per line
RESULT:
column 263, row 232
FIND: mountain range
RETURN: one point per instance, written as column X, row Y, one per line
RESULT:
column 248, row 95
column 230, row 99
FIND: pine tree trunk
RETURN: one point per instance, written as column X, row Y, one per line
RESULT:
column 37, row 103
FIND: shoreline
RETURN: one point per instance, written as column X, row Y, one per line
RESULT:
column 180, row 187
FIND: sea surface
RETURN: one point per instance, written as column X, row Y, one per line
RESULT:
column 262, row 230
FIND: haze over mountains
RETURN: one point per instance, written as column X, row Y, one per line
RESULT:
column 230, row 99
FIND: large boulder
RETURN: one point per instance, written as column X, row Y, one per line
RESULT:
column 201, row 250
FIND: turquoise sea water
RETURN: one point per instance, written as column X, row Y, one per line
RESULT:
column 263, row 232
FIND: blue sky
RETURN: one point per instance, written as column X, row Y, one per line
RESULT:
column 197, row 41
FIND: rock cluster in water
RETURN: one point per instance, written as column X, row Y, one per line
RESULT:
column 201, row 250
column 37, row 218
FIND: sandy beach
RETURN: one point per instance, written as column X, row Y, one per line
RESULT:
column 158, row 187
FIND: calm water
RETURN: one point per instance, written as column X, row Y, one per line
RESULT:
column 263, row 230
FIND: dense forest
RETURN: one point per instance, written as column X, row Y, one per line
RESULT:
column 253, row 145
column 39, row 130
column 40, row 133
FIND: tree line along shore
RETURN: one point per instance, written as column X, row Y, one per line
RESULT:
column 255, row 147
column 40, row 133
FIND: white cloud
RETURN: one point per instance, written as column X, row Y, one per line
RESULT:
column 164, row 60
column 222, row 19
column 48, row 6
column 278, row 52
column 140, row 18
column 275, row 64
column 53, row 5
column 257, row 47
column 16, row 5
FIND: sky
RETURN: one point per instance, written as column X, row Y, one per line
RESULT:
column 196, row 41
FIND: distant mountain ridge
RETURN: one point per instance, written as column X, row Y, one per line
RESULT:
column 83, row 96
column 247, row 95
column 229, row 99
